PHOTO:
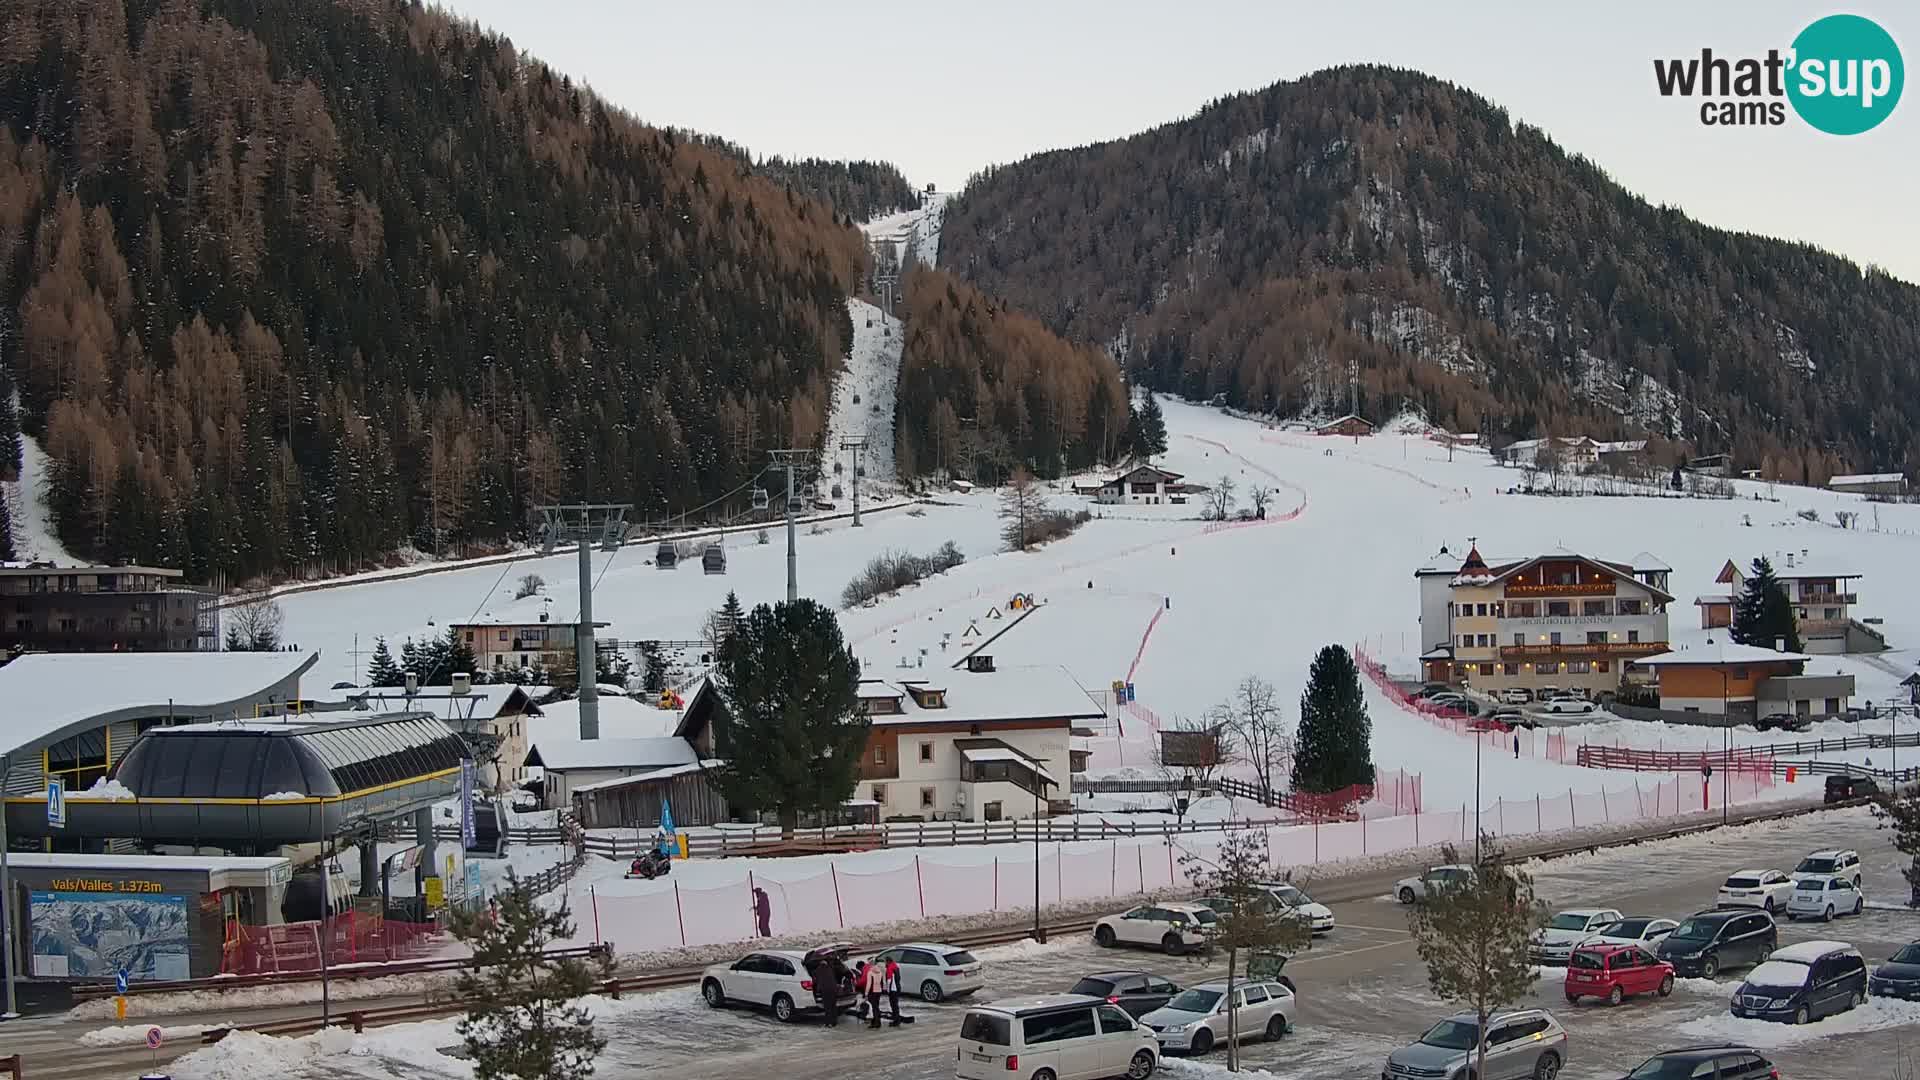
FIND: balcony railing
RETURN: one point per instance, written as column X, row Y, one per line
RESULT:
column 1578, row 588
column 1578, row 649
column 1835, row 598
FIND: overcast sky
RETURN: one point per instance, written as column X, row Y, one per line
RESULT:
column 944, row 89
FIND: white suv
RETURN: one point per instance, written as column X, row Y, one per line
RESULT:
column 1836, row 861
column 1066, row 1036
column 773, row 979
column 1170, row 927
column 1768, row 889
column 1408, row 890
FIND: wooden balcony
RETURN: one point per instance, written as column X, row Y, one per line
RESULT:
column 1579, row 588
column 1582, row 650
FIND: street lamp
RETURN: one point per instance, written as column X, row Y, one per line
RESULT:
column 1039, row 787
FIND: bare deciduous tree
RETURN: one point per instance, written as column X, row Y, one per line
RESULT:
column 1220, row 499
column 1022, row 505
column 1253, row 720
column 1261, row 497
column 529, row 585
column 254, row 625
column 1193, row 752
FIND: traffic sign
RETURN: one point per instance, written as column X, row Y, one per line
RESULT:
column 120, row 980
column 56, row 805
column 154, row 1038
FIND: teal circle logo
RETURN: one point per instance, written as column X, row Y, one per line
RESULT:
column 1846, row 74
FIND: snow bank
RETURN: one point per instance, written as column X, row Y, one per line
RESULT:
column 105, row 790
column 1026, row 949
column 1876, row 1015
column 136, row 1034
column 175, row 1003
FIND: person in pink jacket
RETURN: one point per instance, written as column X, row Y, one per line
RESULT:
column 873, row 984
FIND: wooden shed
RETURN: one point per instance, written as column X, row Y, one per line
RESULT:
column 634, row 801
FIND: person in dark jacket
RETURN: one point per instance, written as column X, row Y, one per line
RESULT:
column 762, row 912
column 893, row 989
column 826, row 989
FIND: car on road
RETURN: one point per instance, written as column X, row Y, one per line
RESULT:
column 1171, row 927
column 1526, row 1043
column 1768, row 889
column 1840, row 862
column 1899, row 977
column 1822, row 896
column 1572, row 705
column 1616, row 972
column 1137, row 992
column 774, row 979
column 1516, row 695
column 1643, row 930
column 1293, row 900
column 1725, row 1061
column 1196, row 1019
column 1554, row 941
column 1849, row 788
column 1062, row 1037
column 933, row 971
column 1707, row 942
column 1802, row 983
column 1408, row 890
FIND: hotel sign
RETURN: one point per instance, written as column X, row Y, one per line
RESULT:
column 1579, row 588
column 1582, row 649
column 103, row 885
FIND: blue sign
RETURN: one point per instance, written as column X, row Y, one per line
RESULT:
column 668, row 844
column 1129, row 691
column 120, row 981
column 466, row 805
column 56, row 805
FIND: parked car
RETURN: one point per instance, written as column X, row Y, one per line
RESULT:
column 1837, row 861
column 1457, row 703
column 1769, row 889
column 1137, row 992
column 1899, row 977
column 1171, row 927
column 1822, row 896
column 1066, row 1036
column 1708, row 941
column 1553, row 942
column 773, row 979
column 1616, row 972
column 1433, row 689
column 1294, row 900
column 1573, row 705
column 1804, row 982
column 933, row 971
column 1849, row 788
column 1516, row 695
column 1528, row 1043
column 1196, row 1019
column 1643, row 930
column 1724, row 1060
column 1416, row 888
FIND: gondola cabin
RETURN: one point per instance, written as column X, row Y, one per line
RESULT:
column 666, row 556
column 714, row 559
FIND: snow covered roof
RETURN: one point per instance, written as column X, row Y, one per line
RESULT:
column 1718, row 653
column 651, row 776
column 484, row 702
column 620, row 718
column 1006, row 753
column 1624, row 446
column 1867, row 478
column 51, row 696
column 1158, row 473
column 1712, row 598
column 1647, row 560
column 1796, row 572
column 560, row 755
column 1474, row 572
column 1337, row 421
column 1041, row 692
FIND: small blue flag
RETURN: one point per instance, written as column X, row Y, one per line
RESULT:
column 668, row 844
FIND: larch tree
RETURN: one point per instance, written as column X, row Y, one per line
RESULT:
column 789, row 683
column 1023, row 504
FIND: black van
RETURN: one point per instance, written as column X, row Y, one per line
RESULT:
column 1848, row 788
column 1804, row 982
column 1708, row 941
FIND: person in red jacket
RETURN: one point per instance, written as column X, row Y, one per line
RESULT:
column 874, row 983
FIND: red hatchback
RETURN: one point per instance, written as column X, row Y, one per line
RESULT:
column 1616, row 972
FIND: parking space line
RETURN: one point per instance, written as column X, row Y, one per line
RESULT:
column 1345, row 952
column 1376, row 929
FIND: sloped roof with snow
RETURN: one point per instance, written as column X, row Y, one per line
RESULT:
column 1717, row 653
column 1867, row 478
column 1647, row 560
column 560, row 755
column 50, row 696
column 482, row 703
column 1041, row 692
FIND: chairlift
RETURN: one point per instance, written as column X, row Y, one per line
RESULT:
column 760, row 498
column 666, row 555
column 714, row 559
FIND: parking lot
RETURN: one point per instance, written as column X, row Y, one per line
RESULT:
column 1362, row 989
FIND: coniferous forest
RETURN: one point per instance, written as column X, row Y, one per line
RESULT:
column 1466, row 265
column 287, row 283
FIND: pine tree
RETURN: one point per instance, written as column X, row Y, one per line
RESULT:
column 410, row 660
column 1763, row 615
column 450, row 653
column 381, row 670
column 6, row 529
column 1899, row 811
column 731, row 612
column 525, row 1020
column 1150, row 430
column 654, row 679
column 789, row 683
column 1333, row 749
column 1474, row 932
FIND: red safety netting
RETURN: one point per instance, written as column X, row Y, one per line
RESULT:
column 352, row 939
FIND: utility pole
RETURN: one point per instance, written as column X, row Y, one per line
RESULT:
column 857, row 444
column 788, row 460
column 11, row 1008
column 586, row 523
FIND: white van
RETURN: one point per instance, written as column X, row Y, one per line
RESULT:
column 1065, row 1037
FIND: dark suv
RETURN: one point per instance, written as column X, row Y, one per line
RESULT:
column 1136, row 992
column 1731, row 1062
column 1709, row 941
column 1803, row 983
column 1848, row 788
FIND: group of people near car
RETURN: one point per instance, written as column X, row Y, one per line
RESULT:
column 870, row 980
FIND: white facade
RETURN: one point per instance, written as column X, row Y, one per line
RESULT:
column 1141, row 485
column 928, row 782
